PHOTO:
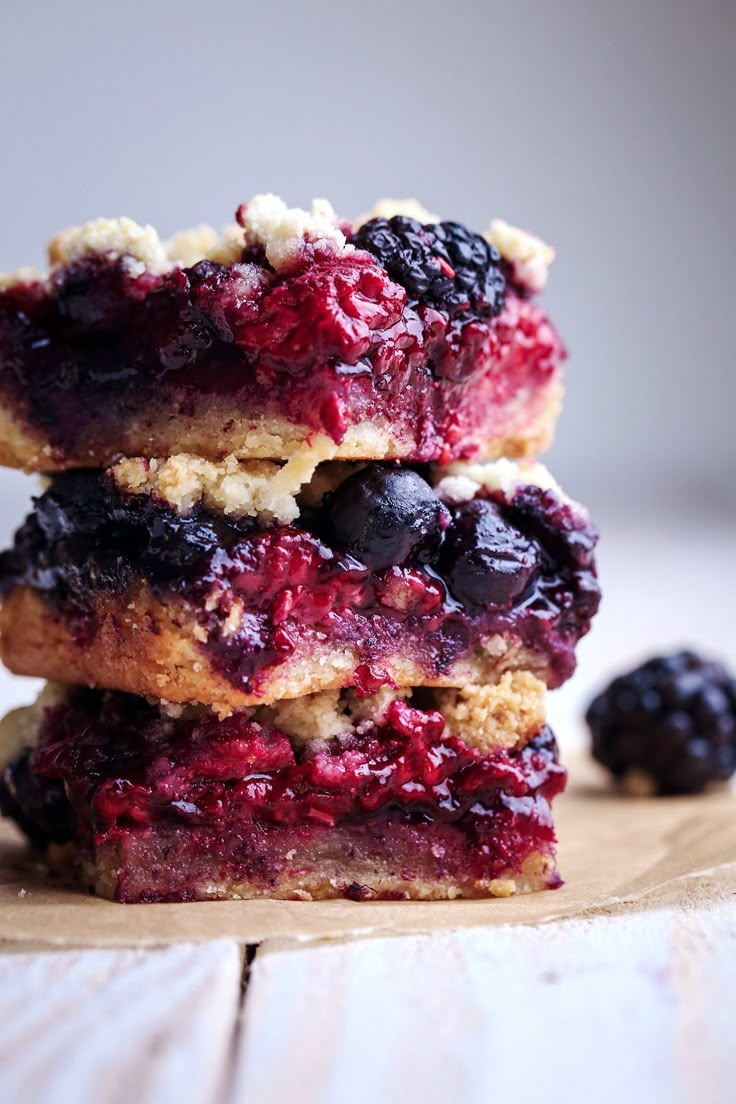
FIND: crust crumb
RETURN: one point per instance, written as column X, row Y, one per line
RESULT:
column 24, row 275
column 461, row 480
column 190, row 246
column 323, row 716
column 505, row 715
column 258, row 488
column 529, row 256
column 502, row 887
column 389, row 208
column 285, row 233
column 120, row 237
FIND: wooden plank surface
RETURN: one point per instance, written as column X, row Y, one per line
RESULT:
column 117, row 1027
column 637, row 1008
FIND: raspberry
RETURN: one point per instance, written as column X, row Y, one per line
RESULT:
column 672, row 719
column 441, row 265
column 331, row 311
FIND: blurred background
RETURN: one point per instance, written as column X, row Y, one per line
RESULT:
column 607, row 128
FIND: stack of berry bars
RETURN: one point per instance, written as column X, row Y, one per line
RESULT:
column 296, row 584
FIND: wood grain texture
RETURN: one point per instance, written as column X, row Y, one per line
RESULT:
column 640, row 1007
column 118, row 1026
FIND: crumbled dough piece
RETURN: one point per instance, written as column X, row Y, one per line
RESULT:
column 234, row 619
column 284, row 231
column 19, row 728
column 24, row 275
column 228, row 250
column 319, row 717
column 372, row 710
column 121, row 237
column 529, row 255
column 462, row 479
column 504, row 715
column 388, row 208
column 255, row 488
column 190, row 246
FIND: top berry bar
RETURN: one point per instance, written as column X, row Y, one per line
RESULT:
column 398, row 336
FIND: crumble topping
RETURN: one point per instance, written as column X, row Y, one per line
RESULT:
column 502, row 716
column 388, row 208
column 24, row 275
column 529, row 256
column 283, row 232
column 120, row 237
column 189, row 246
column 330, row 713
column 463, row 479
column 506, row 714
column 257, row 488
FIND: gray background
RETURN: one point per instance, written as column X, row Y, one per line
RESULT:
column 606, row 127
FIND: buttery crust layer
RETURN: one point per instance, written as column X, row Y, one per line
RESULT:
column 210, row 426
column 150, row 648
column 342, row 863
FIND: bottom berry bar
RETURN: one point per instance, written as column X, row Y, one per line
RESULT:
column 326, row 796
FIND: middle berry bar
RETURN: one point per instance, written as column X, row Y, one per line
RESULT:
column 216, row 583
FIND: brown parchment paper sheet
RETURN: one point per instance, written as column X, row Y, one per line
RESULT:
column 615, row 853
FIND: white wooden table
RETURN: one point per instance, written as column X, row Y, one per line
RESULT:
column 638, row 1005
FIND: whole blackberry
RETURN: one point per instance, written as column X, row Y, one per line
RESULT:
column 672, row 720
column 442, row 264
column 39, row 806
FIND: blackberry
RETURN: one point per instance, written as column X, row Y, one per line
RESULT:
column 39, row 806
column 672, row 719
column 442, row 265
column 385, row 516
column 486, row 560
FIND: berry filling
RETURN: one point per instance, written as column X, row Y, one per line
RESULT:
column 415, row 328
column 226, row 795
column 381, row 567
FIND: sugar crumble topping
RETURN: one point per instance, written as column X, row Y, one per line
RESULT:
column 288, row 236
column 187, row 247
column 262, row 489
column 529, row 256
column 461, row 480
column 24, row 275
column 389, row 208
column 116, row 237
column 286, row 233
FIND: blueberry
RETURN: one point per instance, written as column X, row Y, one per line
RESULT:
column 386, row 516
column 673, row 719
column 487, row 562
column 441, row 264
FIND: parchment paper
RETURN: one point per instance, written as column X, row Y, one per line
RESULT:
column 615, row 853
